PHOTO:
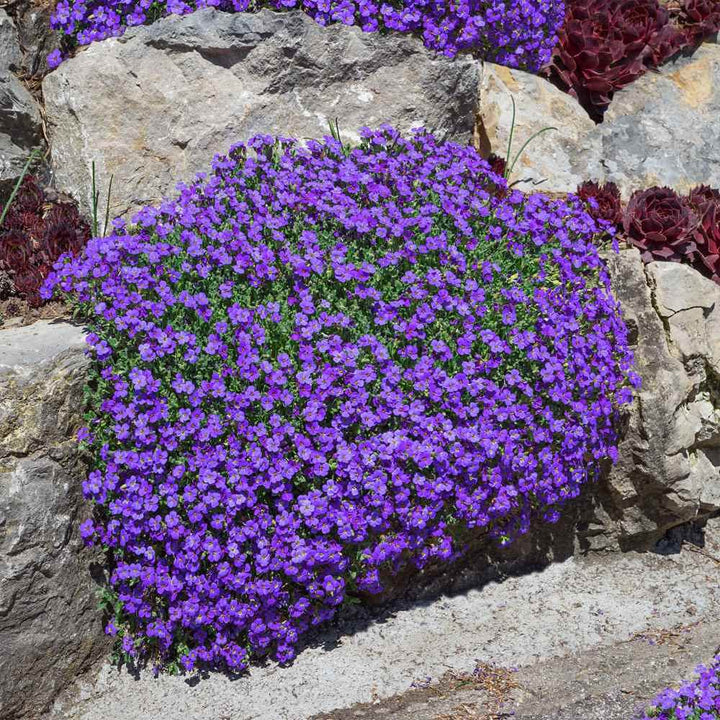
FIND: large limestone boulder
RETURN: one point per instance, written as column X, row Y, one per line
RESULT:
column 668, row 472
column 50, row 625
column 20, row 121
column 558, row 159
column 661, row 130
column 154, row 106
column 664, row 129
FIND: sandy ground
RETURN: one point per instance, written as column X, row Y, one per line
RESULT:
column 569, row 628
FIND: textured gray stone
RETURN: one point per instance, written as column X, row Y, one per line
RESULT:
column 20, row 121
column 10, row 54
column 562, row 611
column 25, row 347
column 661, row 130
column 556, row 160
column 50, row 629
column 668, row 472
column 154, row 106
column 664, row 129
column 37, row 37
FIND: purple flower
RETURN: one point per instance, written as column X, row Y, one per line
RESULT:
column 517, row 33
column 54, row 59
column 325, row 363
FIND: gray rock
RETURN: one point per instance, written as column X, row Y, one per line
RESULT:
column 50, row 629
column 37, row 37
column 668, row 472
column 557, row 160
column 564, row 610
column 664, row 129
column 154, row 106
column 661, row 130
column 20, row 121
column 10, row 54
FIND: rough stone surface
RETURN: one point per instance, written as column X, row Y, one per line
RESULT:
column 669, row 466
column 25, row 347
column 154, row 106
column 664, row 128
column 617, row 682
column 568, row 608
column 556, row 160
column 661, row 130
column 20, row 122
column 10, row 54
column 37, row 37
column 50, row 628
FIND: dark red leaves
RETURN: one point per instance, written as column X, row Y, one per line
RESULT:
column 35, row 233
column 659, row 221
column 662, row 224
column 607, row 44
column 608, row 205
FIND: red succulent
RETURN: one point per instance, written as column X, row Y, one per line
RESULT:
column 34, row 234
column 605, row 45
column 705, row 202
column 699, row 19
column 29, row 197
column 497, row 164
column 27, row 284
column 15, row 250
column 700, row 196
column 607, row 204
column 661, row 224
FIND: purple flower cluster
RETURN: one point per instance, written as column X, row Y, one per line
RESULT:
column 518, row 33
column 319, row 364
column 696, row 700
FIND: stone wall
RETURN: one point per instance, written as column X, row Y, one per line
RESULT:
column 50, row 626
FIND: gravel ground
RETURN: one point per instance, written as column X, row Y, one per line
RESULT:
column 568, row 609
column 617, row 682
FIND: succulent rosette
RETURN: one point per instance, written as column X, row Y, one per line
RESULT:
column 604, row 45
column 15, row 250
column 34, row 234
column 660, row 223
column 705, row 202
column 603, row 201
column 699, row 19
column 320, row 364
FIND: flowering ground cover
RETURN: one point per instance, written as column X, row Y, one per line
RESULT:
column 698, row 699
column 319, row 364
column 518, row 33
column 664, row 225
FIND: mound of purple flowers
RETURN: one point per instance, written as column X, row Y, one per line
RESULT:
column 518, row 33
column 696, row 700
column 319, row 364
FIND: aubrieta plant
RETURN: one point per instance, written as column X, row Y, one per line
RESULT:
column 517, row 33
column 696, row 700
column 319, row 364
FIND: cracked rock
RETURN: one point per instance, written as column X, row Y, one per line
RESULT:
column 668, row 472
column 20, row 121
column 50, row 625
column 642, row 141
